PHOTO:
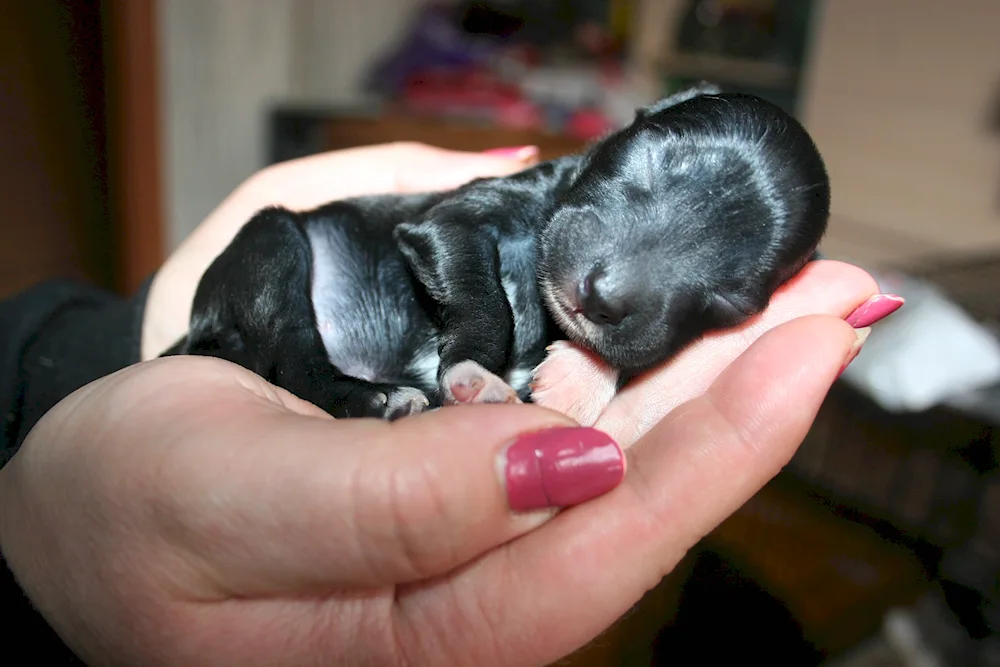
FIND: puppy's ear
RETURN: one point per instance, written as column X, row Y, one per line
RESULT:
column 702, row 88
column 425, row 247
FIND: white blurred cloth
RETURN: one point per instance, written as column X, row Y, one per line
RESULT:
column 930, row 352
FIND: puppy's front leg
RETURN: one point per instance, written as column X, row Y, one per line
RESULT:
column 346, row 397
column 454, row 253
column 458, row 263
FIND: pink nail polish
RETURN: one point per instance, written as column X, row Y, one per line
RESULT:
column 852, row 354
column 561, row 467
column 874, row 309
column 516, row 152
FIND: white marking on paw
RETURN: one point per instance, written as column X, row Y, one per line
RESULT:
column 468, row 382
column 425, row 363
column 519, row 378
column 406, row 401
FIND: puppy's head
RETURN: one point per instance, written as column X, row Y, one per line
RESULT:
column 685, row 221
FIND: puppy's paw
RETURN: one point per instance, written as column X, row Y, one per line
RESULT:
column 403, row 402
column 468, row 382
column 574, row 381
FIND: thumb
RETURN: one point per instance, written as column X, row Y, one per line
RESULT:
column 694, row 468
column 364, row 503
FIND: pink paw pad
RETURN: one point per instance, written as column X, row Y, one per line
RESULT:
column 575, row 382
column 468, row 382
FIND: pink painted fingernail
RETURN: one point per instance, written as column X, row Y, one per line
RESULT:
column 862, row 336
column 561, row 467
column 515, row 152
column 874, row 309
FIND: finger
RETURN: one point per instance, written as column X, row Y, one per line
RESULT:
column 822, row 287
column 458, row 168
column 591, row 563
column 310, row 181
column 288, row 503
column 403, row 167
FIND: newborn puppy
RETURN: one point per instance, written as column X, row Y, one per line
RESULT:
column 685, row 221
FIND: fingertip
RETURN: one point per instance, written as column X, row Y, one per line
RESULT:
column 874, row 309
column 522, row 154
column 861, row 336
column 822, row 286
column 560, row 467
column 843, row 274
column 817, row 345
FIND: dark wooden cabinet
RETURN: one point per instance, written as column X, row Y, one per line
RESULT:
column 295, row 132
column 79, row 161
column 52, row 137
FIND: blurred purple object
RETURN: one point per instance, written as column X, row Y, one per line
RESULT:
column 435, row 39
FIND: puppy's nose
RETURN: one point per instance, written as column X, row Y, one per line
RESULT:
column 598, row 300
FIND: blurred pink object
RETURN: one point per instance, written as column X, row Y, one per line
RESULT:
column 520, row 114
column 588, row 124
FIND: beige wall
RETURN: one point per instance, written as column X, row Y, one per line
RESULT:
column 897, row 98
column 225, row 61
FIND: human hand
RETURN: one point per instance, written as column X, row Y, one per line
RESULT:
column 184, row 511
column 303, row 184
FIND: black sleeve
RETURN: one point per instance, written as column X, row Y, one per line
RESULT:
column 54, row 338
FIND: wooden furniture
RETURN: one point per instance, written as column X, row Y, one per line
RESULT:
column 296, row 131
column 459, row 136
column 51, row 146
column 836, row 577
column 78, row 144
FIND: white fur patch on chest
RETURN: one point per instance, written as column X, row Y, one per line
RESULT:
column 519, row 377
column 425, row 363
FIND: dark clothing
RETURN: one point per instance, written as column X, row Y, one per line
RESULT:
column 54, row 338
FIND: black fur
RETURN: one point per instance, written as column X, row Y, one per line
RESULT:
column 685, row 221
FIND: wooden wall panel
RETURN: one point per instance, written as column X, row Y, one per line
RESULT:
column 52, row 171
column 135, row 136
column 225, row 62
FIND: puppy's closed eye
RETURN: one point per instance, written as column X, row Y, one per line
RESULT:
column 728, row 311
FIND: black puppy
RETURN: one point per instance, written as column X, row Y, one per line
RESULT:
column 685, row 221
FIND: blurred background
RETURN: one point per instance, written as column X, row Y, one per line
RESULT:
column 123, row 123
